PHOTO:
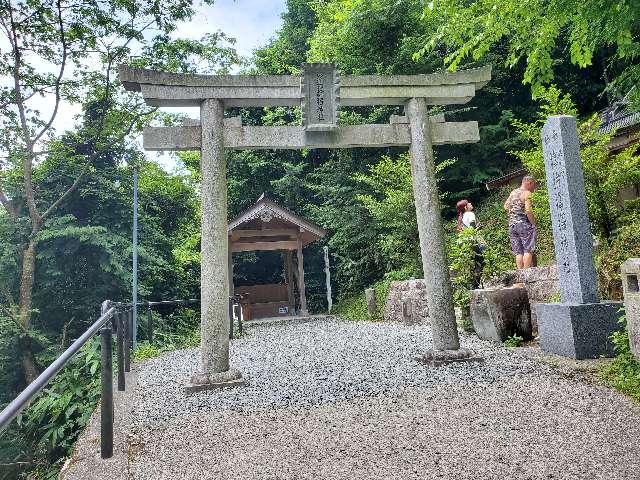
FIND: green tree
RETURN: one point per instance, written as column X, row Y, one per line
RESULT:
column 285, row 53
column 391, row 205
column 592, row 30
column 81, row 43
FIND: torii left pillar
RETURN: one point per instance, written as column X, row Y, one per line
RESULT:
column 214, row 325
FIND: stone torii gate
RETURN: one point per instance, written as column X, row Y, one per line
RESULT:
column 319, row 91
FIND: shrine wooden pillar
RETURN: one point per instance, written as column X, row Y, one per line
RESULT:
column 288, row 269
column 303, row 295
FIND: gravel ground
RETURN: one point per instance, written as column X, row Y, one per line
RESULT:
column 332, row 399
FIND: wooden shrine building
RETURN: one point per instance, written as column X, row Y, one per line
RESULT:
column 268, row 226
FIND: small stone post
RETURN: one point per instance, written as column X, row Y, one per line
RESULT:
column 630, row 273
column 434, row 262
column 580, row 326
column 370, row 295
column 214, row 326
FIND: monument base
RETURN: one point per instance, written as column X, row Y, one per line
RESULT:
column 214, row 381
column 436, row 358
column 578, row 331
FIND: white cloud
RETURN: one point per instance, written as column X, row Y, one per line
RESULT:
column 251, row 22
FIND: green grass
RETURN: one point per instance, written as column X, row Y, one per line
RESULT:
column 514, row 341
column 623, row 373
column 354, row 307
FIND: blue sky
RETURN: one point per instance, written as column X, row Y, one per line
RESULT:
column 251, row 22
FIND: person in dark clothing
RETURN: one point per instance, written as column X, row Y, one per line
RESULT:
column 467, row 219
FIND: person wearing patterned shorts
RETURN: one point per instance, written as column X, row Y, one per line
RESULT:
column 522, row 223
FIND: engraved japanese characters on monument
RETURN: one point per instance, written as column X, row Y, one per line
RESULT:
column 320, row 95
column 569, row 217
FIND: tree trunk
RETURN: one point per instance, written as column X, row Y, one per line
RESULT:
column 29, row 365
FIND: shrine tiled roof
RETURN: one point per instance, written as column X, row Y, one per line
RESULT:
column 620, row 121
column 265, row 208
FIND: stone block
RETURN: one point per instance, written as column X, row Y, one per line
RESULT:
column 407, row 302
column 630, row 273
column 500, row 313
column 578, row 331
column 541, row 284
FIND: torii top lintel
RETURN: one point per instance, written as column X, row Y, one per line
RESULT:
column 183, row 90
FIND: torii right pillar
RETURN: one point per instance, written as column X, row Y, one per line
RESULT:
column 427, row 200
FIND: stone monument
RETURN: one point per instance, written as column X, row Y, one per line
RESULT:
column 319, row 91
column 579, row 326
column 630, row 273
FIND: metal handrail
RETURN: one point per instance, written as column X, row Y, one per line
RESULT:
column 24, row 398
column 160, row 302
column 120, row 315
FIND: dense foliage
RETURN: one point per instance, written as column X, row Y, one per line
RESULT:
column 545, row 33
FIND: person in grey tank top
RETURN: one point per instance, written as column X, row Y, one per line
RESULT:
column 522, row 223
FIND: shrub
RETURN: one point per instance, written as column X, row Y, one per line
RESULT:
column 624, row 372
column 146, row 351
column 513, row 341
column 55, row 419
column 609, row 256
column 354, row 307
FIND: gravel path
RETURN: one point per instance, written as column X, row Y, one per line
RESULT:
column 337, row 400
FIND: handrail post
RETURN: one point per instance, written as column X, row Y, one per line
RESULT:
column 120, row 342
column 150, row 322
column 106, row 402
column 105, row 306
column 127, row 342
